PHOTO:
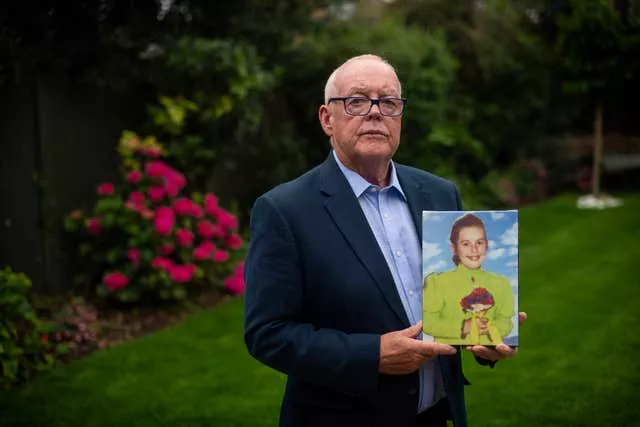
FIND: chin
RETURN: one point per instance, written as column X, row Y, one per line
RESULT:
column 474, row 266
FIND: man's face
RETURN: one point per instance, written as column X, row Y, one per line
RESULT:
column 471, row 247
column 362, row 139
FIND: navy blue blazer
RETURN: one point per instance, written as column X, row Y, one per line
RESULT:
column 319, row 294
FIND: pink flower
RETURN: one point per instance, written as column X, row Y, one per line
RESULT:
column 220, row 256
column 157, row 169
column 131, row 206
column 94, row 226
column 161, row 263
column 184, row 237
column 233, row 241
column 204, row 251
column 137, row 197
column 227, row 220
column 134, row 177
column 156, row 192
column 166, row 249
column 174, row 183
column 106, row 189
column 217, row 231
column 211, row 204
column 147, row 213
column 182, row 273
column 134, row 255
column 115, row 281
column 164, row 221
column 234, row 284
column 239, row 270
column 184, row 207
column 205, row 229
column 197, row 211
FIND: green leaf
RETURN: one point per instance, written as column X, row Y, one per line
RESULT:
column 62, row 349
column 101, row 291
column 179, row 293
column 85, row 249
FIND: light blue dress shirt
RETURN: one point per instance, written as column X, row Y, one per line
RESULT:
column 389, row 217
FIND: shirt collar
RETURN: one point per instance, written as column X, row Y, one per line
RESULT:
column 359, row 185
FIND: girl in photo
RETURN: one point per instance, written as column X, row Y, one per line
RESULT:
column 468, row 305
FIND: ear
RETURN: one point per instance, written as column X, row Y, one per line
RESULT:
column 325, row 120
column 453, row 249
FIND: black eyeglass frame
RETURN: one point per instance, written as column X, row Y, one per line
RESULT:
column 372, row 102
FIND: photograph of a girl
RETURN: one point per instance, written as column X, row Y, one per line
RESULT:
column 464, row 303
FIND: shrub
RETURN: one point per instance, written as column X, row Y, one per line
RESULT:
column 74, row 328
column 145, row 239
column 24, row 346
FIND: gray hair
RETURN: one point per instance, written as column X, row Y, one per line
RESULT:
column 330, row 87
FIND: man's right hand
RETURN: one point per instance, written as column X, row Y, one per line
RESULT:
column 401, row 353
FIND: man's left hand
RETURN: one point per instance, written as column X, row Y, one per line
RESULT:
column 501, row 351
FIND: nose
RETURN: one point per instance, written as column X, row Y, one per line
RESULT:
column 374, row 112
column 474, row 249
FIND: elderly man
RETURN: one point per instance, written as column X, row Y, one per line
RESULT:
column 333, row 273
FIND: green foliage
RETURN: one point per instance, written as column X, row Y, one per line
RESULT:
column 502, row 83
column 210, row 91
column 74, row 328
column 433, row 131
column 144, row 239
column 590, row 44
column 24, row 347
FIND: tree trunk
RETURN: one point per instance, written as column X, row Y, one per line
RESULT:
column 597, row 150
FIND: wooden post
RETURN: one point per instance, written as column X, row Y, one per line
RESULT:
column 597, row 150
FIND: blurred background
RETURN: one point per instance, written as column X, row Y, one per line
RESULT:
column 525, row 104
column 505, row 97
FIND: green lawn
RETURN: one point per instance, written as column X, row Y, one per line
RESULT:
column 577, row 365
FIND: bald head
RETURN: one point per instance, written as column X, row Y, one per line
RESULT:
column 331, row 89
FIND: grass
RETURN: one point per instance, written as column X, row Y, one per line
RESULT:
column 577, row 365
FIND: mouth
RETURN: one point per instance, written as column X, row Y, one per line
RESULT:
column 473, row 258
column 373, row 132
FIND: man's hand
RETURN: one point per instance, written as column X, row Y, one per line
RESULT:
column 501, row 351
column 401, row 353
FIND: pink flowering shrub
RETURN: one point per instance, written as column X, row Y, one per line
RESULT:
column 144, row 237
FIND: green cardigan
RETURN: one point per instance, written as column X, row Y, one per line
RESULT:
column 443, row 315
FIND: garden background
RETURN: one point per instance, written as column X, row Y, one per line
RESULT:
column 136, row 135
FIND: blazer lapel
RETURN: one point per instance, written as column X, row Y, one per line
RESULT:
column 418, row 198
column 343, row 207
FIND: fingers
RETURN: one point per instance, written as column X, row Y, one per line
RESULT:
column 412, row 331
column 506, row 350
column 501, row 351
column 522, row 316
column 433, row 349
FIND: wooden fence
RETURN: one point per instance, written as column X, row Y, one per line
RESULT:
column 57, row 141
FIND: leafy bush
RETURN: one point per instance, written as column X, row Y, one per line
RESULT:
column 24, row 346
column 145, row 239
column 74, row 328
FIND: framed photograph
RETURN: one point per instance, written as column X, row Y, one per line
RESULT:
column 470, row 277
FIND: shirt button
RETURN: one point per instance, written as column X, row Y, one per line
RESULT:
column 398, row 253
column 411, row 293
column 385, row 216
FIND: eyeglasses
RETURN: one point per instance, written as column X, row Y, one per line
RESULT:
column 361, row 105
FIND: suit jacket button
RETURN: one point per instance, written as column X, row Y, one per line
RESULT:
column 412, row 392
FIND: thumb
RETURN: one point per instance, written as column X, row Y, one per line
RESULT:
column 412, row 331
